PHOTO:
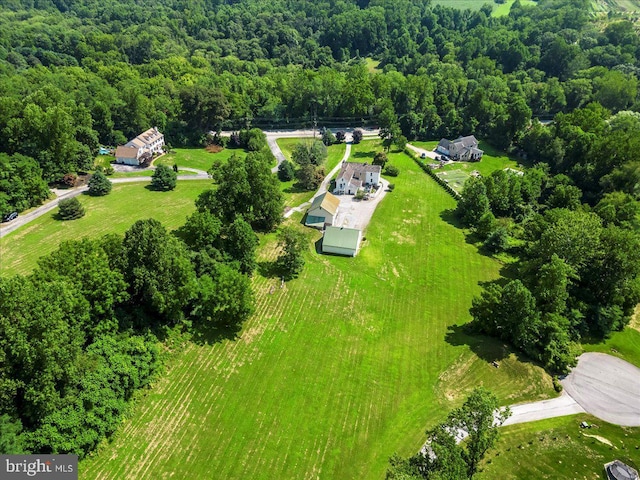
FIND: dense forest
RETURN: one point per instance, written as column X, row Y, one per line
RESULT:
column 75, row 75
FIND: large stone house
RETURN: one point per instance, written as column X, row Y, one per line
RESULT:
column 354, row 176
column 323, row 211
column 140, row 149
column 462, row 148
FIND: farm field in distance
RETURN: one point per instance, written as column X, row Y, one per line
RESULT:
column 339, row 369
column 498, row 9
column 113, row 213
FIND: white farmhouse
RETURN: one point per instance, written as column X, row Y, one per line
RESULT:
column 354, row 176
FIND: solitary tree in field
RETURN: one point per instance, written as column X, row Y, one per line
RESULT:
column 164, row 178
column 357, row 136
column 291, row 260
column 99, row 184
column 285, row 171
column 70, row 209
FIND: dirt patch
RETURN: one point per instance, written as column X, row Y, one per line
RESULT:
column 600, row 439
column 214, row 148
column 401, row 239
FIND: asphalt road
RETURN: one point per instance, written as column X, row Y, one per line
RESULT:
column 606, row 387
column 601, row 385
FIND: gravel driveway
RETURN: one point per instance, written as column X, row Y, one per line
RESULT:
column 354, row 213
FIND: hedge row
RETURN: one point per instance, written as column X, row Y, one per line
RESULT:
column 429, row 171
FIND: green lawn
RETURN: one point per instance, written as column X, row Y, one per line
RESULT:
column 115, row 212
column 492, row 160
column 559, row 449
column 498, row 9
column 293, row 195
column 197, row 158
column 337, row 370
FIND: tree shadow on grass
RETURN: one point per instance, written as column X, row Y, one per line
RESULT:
column 369, row 154
column 489, row 349
column 268, row 269
column 210, row 334
column 295, row 188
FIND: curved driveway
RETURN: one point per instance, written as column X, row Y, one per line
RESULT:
column 601, row 385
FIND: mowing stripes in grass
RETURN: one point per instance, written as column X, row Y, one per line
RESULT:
column 334, row 372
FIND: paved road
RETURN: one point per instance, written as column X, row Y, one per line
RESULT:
column 274, row 135
column 607, row 387
column 601, row 385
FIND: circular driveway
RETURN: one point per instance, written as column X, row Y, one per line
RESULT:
column 606, row 387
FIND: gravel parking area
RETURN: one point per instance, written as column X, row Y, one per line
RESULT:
column 354, row 213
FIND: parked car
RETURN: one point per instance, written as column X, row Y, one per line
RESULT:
column 10, row 216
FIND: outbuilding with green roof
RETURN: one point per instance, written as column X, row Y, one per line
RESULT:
column 341, row 241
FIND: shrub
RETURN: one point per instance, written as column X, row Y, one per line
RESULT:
column 357, row 136
column 70, row 209
column 164, row 178
column 340, row 136
column 99, row 184
column 391, row 187
column 392, row 171
column 70, row 179
column 557, row 386
column 109, row 170
column 285, row 171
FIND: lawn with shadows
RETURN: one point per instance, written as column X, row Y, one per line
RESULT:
column 335, row 371
column 113, row 213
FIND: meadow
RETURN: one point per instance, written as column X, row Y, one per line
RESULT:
column 114, row 213
column 499, row 9
column 336, row 371
column 197, row 158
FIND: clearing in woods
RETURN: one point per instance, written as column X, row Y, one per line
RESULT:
column 335, row 371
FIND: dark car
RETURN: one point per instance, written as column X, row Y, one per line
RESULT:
column 10, row 216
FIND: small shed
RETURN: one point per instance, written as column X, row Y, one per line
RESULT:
column 617, row 470
column 341, row 241
column 322, row 211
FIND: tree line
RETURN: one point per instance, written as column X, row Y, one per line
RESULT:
column 89, row 76
column 79, row 336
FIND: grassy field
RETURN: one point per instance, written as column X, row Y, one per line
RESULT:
column 559, row 448
column 498, row 9
column 293, row 195
column 115, row 213
column 335, row 371
column 197, row 158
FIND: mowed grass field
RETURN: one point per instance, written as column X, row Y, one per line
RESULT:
column 336, row 371
column 114, row 213
column 197, row 158
column 559, row 449
column 498, row 9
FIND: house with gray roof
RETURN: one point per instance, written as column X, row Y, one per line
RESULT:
column 354, row 176
column 462, row 148
column 617, row 470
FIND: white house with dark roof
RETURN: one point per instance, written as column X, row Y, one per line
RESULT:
column 462, row 148
column 354, row 176
column 141, row 148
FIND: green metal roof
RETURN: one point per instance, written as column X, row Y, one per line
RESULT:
column 341, row 237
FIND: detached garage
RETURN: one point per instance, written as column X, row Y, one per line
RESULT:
column 341, row 241
column 323, row 211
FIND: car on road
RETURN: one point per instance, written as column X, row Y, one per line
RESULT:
column 10, row 216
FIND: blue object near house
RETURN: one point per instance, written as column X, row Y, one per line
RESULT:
column 104, row 151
